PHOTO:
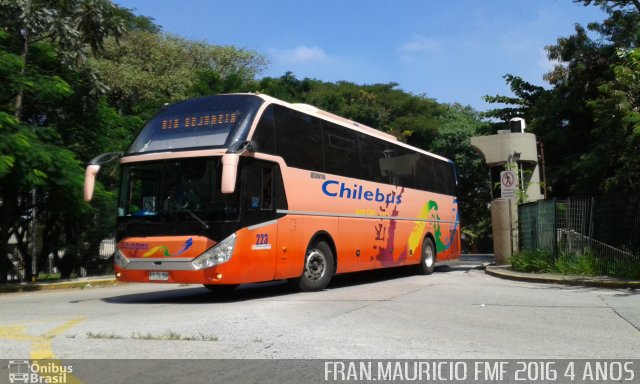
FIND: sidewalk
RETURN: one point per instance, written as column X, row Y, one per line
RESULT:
column 505, row 272
column 80, row 283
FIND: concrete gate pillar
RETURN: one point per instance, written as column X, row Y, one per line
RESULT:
column 516, row 151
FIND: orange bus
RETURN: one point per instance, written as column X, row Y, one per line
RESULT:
column 232, row 189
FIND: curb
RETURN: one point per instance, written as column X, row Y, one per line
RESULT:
column 67, row 284
column 505, row 272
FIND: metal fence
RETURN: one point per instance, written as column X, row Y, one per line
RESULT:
column 607, row 228
column 88, row 252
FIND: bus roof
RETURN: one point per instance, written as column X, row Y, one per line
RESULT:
column 149, row 133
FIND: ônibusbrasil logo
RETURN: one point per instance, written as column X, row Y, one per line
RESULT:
column 32, row 372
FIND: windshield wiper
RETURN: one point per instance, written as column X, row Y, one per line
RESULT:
column 198, row 219
column 190, row 213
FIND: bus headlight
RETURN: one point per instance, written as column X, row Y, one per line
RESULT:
column 120, row 260
column 217, row 254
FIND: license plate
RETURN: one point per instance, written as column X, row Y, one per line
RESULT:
column 162, row 276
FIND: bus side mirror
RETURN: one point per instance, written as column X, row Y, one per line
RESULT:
column 90, row 180
column 92, row 170
column 229, row 172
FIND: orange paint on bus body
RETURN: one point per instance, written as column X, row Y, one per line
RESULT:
column 371, row 225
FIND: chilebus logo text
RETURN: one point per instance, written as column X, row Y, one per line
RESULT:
column 334, row 188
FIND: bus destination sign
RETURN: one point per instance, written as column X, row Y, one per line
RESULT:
column 201, row 120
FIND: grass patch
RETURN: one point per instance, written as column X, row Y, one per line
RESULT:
column 168, row 335
column 579, row 264
column 629, row 271
column 48, row 276
column 532, row 261
column 172, row 335
column 583, row 264
column 103, row 335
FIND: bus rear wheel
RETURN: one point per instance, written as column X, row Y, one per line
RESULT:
column 428, row 258
column 319, row 266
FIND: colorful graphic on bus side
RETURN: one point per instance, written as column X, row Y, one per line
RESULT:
column 164, row 250
column 164, row 246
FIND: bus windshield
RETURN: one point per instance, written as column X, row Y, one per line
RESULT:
column 212, row 122
column 174, row 186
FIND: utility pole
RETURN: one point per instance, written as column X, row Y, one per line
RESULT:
column 34, row 237
column 544, row 173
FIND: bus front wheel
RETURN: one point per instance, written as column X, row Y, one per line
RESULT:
column 318, row 270
column 428, row 258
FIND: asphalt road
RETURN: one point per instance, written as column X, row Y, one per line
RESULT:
column 456, row 313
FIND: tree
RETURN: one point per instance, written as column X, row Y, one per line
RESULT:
column 411, row 118
column 144, row 70
column 617, row 113
column 73, row 25
column 526, row 96
column 586, row 120
column 47, row 89
column 611, row 4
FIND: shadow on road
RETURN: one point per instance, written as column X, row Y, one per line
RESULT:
column 201, row 295
column 466, row 268
column 619, row 292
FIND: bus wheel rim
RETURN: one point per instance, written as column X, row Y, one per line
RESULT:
column 428, row 259
column 315, row 266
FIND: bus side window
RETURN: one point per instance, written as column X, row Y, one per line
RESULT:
column 425, row 173
column 299, row 139
column 341, row 151
column 267, row 188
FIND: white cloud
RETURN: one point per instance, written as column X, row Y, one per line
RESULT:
column 302, row 55
column 310, row 61
column 420, row 45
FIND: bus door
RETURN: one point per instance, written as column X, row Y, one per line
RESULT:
column 290, row 252
column 259, row 219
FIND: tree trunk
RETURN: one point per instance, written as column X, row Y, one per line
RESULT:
column 23, row 248
column 4, row 259
column 23, row 70
column 7, row 218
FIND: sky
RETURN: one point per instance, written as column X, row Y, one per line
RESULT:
column 454, row 51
